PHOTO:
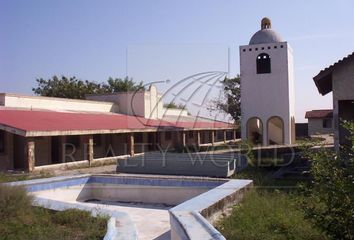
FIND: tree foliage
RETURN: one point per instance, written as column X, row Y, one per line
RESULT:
column 230, row 103
column 72, row 87
column 329, row 198
column 174, row 105
column 122, row 85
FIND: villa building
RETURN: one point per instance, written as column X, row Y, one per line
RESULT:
column 320, row 122
column 339, row 79
column 43, row 131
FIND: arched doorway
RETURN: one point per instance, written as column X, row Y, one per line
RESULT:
column 275, row 131
column 255, row 131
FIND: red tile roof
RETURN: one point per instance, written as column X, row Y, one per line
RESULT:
column 48, row 121
column 324, row 113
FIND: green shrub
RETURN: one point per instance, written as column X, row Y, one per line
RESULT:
column 329, row 198
column 13, row 201
column 268, row 215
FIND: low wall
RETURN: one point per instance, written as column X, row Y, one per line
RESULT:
column 52, row 103
column 189, row 219
column 194, row 164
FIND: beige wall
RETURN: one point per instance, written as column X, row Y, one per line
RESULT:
column 56, row 104
column 43, row 154
column 343, row 78
column 115, row 144
column 275, row 130
column 146, row 104
column 165, row 143
column 6, row 158
column 343, row 89
column 100, row 151
column 315, row 127
column 205, row 136
column 191, row 140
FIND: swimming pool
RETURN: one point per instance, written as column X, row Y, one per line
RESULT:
column 143, row 206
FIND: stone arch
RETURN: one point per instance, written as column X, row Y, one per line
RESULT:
column 275, row 130
column 254, row 130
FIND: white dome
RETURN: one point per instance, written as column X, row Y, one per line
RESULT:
column 265, row 36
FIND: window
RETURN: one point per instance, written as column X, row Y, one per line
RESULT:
column 327, row 123
column 2, row 141
column 138, row 137
column 74, row 140
column 250, row 49
column 190, row 134
column 244, row 50
column 256, row 49
column 263, row 63
column 97, row 140
column 281, row 46
column 168, row 136
column 275, row 46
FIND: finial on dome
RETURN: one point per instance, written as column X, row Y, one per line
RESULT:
column 266, row 23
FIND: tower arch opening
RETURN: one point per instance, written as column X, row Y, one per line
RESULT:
column 255, row 131
column 275, row 129
column 263, row 63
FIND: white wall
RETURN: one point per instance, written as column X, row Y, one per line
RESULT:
column 56, row 104
column 146, row 104
column 175, row 112
column 267, row 95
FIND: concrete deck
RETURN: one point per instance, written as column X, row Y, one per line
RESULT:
column 152, row 221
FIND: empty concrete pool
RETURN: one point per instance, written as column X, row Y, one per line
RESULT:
column 143, row 207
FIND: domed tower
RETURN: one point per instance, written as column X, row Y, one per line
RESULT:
column 267, row 88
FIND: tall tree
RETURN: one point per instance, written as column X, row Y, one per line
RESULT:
column 230, row 102
column 72, row 87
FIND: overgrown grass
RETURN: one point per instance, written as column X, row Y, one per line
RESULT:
column 19, row 220
column 262, row 179
column 268, row 215
column 12, row 177
column 270, row 211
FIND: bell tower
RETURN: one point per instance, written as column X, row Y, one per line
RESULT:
column 267, row 89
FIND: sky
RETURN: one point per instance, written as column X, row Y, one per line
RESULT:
column 165, row 41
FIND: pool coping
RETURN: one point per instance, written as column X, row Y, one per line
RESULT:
column 189, row 220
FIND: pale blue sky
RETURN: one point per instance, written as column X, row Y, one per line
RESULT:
column 165, row 39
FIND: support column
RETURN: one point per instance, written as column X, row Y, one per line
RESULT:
column 130, row 142
column 30, row 154
column 198, row 138
column 184, row 139
column 224, row 136
column 212, row 137
column 234, row 133
column 90, row 149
